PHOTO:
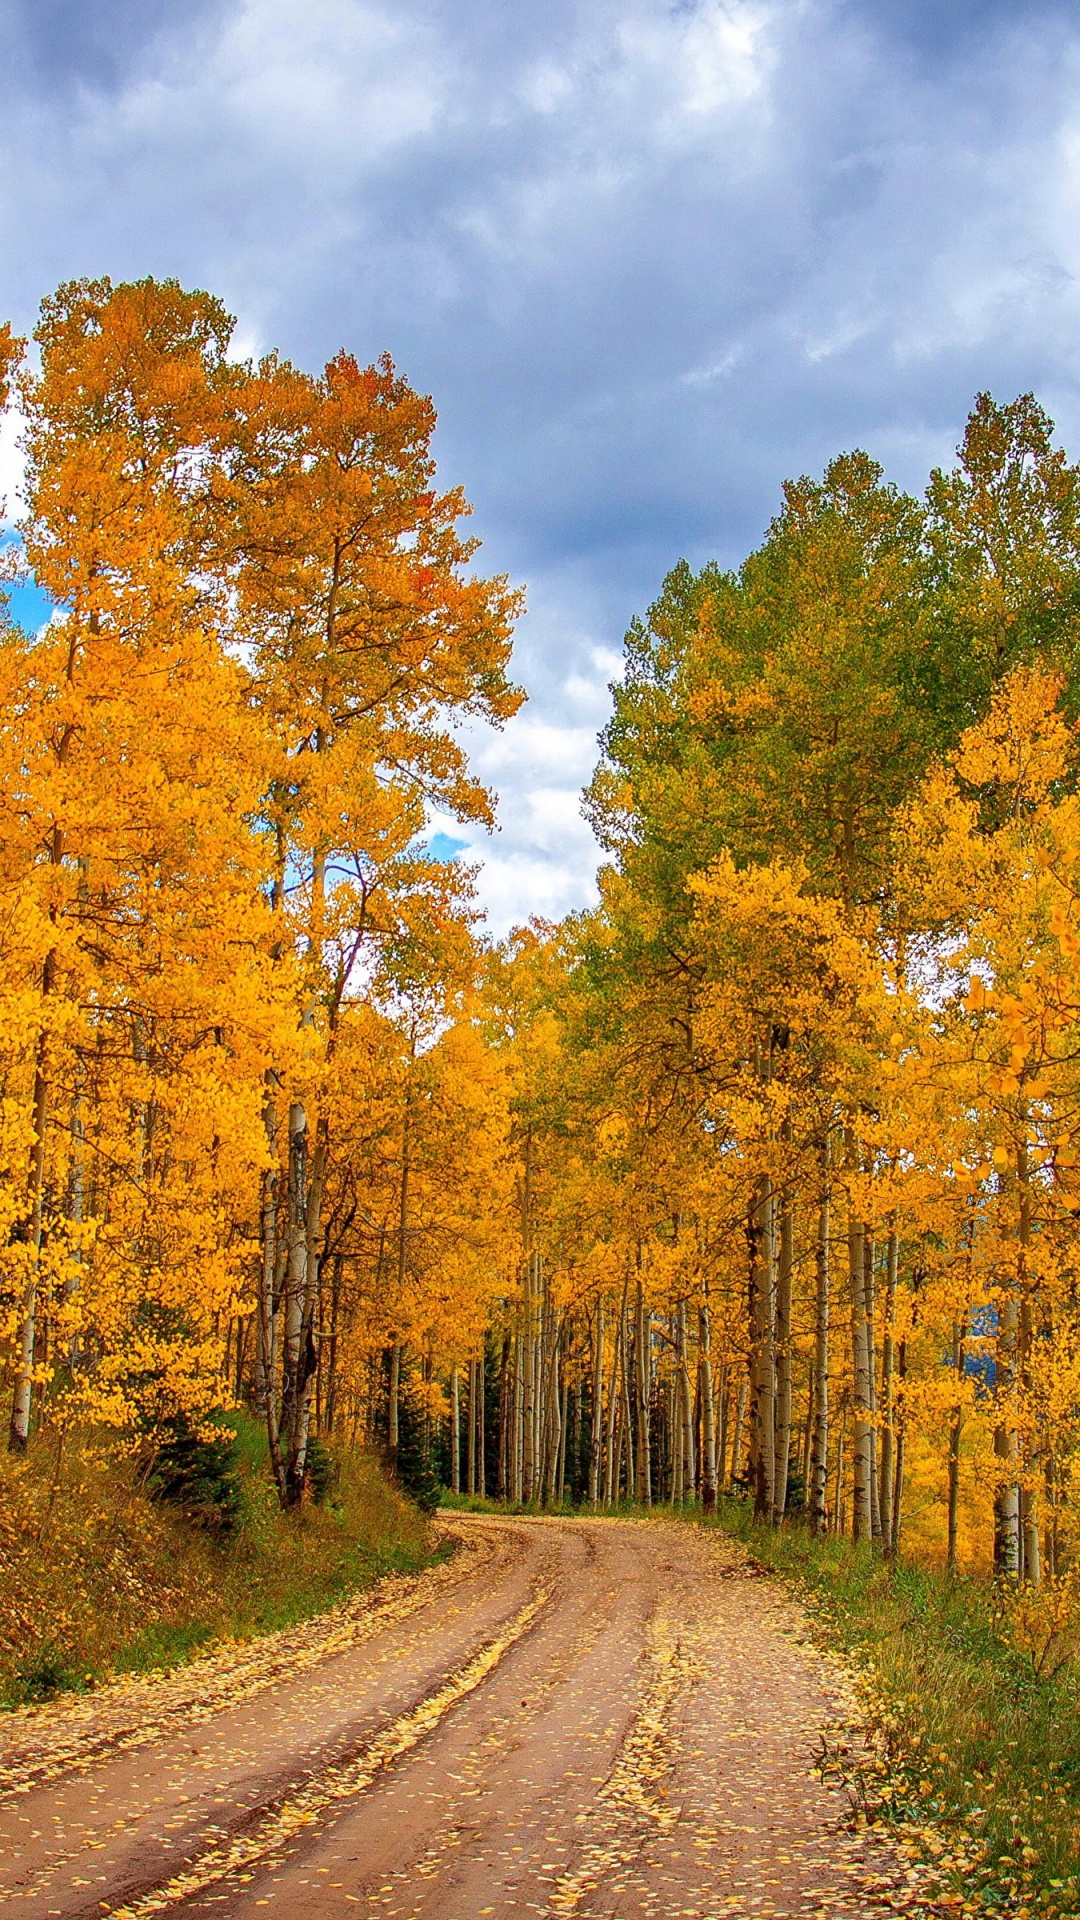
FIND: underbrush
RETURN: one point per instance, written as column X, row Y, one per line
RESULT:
column 482, row 1503
column 99, row 1576
column 975, row 1755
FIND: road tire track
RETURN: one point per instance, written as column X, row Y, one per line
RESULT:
column 346, row 1780
column 599, row 1718
column 40, row 1745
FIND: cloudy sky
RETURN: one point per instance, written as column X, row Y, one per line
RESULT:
column 649, row 256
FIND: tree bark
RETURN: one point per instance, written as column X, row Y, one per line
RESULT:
column 596, row 1429
column 470, row 1457
column 610, row 1460
column 869, row 1302
column 1006, row 1446
column 708, row 1411
column 1029, row 1499
column 955, row 1426
column 296, row 1284
column 762, row 1307
column 861, row 1515
column 740, row 1421
column 892, row 1266
column 393, row 1423
column 819, row 1453
column 481, row 1448
column 528, row 1485
column 642, row 1370
column 785, row 1271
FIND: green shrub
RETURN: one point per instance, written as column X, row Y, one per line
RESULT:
column 49, row 1670
column 321, row 1470
column 198, row 1473
column 416, row 1464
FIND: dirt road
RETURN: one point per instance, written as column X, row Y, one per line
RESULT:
column 581, row 1718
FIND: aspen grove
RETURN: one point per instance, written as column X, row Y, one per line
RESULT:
column 762, row 1177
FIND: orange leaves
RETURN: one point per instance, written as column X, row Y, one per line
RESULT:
column 218, row 759
column 1024, row 744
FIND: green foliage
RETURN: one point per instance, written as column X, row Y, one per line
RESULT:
column 49, row 1670
column 416, row 1462
column 197, row 1471
column 321, row 1470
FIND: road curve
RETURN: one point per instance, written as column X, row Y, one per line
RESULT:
column 581, row 1717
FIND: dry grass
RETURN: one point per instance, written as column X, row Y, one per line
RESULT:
column 96, row 1578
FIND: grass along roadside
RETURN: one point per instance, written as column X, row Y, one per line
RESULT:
column 97, row 1578
column 974, row 1760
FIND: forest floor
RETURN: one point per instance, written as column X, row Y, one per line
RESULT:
column 569, row 1717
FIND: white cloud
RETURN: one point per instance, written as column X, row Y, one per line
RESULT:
column 650, row 256
column 705, row 59
column 12, row 464
column 338, row 83
column 713, row 371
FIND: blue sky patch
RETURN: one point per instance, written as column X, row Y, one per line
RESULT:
column 443, row 847
column 30, row 607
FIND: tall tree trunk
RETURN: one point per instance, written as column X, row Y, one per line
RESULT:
column 596, row 1429
column 725, row 1423
column 1006, row 1446
column 76, row 1200
column 481, row 1430
column 819, row 1452
column 506, row 1401
column 568, row 1445
column 892, row 1267
column 901, row 1420
column 626, row 1409
column 785, row 1272
column 1029, row 1499
column 642, row 1369
column 393, row 1420
column 22, row 1397
column 455, row 1430
column 553, row 1442
column 869, row 1256
column 686, row 1407
column 336, row 1284
column 614, row 1397
column 471, row 1453
column 955, row 1426
column 861, row 1516
column 529, row 1410
column 518, row 1454
column 19, row 1430
column 267, row 1361
column 296, row 1284
column 673, row 1429
column 762, row 1309
column 308, row 1356
column 838, row 1516
column 708, row 1411
column 740, row 1421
